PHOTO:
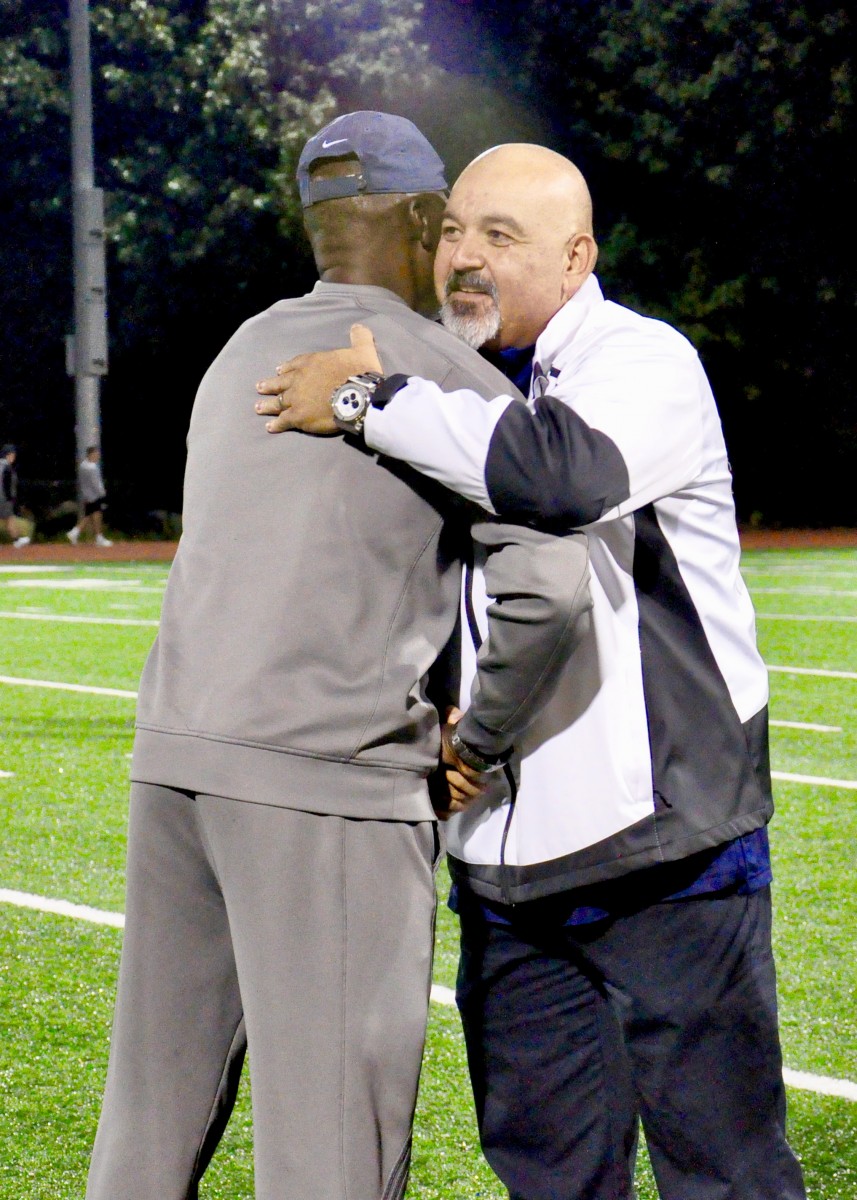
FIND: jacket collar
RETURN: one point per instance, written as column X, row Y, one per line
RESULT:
column 564, row 325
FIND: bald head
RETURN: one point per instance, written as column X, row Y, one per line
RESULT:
column 516, row 244
column 540, row 177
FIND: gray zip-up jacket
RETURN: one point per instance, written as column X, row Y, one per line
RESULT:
column 316, row 584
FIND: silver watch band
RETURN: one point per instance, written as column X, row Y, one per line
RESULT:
column 472, row 758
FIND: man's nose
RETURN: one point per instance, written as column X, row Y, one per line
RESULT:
column 467, row 255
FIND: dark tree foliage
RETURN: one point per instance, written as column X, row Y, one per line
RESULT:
column 717, row 136
column 200, row 110
column 736, row 119
column 35, row 228
column 718, row 139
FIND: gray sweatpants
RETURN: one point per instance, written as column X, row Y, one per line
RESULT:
column 312, row 933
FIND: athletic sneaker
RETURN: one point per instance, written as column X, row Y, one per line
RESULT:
column 73, row 535
column 101, row 540
column 21, row 541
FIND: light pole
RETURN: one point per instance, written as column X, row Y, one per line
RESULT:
column 87, row 347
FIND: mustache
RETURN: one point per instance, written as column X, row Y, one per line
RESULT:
column 471, row 281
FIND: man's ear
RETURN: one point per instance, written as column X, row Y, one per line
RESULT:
column 580, row 257
column 425, row 212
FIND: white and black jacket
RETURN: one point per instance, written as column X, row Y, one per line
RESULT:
column 654, row 745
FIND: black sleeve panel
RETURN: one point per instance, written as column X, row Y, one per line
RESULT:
column 551, row 470
column 387, row 389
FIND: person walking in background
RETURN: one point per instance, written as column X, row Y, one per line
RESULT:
column 92, row 499
column 9, row 497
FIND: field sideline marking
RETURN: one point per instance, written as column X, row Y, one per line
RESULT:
column 101, row 691
column 24, row 569
column 760, row 616
column 800, row 591
column 78, row 620
column 85, row 585
column 814, row 671
column 808, row 725
column 811, row 779
column 62, row 908
column 798, row 569
column 804, row 1080
column 818, row 780
column 68, row 687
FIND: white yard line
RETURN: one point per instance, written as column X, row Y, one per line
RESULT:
column 800, row 591
column 777, row 577
column 7, row 774
column 807, row 725
column 28, row 570
column 821, row 1084
column 443, row 995
column 785, row 572
column 804, row 1081
column 760, row 616
column 816, row 780
column 820, row 671
column 67, row 687
column 128, row 695
column 62, row 908
column 85, row 585
column 77, row 620
column 815, row 566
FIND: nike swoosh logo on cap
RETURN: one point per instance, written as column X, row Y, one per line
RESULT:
column 335, row 142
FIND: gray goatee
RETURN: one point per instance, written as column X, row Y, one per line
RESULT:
column 474, row 328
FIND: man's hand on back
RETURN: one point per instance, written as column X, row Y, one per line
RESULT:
column 298, row 397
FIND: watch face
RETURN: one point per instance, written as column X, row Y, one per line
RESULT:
column 350, row 401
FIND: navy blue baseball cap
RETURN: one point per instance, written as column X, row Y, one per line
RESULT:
column 393, row 156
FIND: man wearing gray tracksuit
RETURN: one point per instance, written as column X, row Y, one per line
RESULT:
column 282, row 842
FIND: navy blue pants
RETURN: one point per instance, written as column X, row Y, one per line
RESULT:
column 666, row 1014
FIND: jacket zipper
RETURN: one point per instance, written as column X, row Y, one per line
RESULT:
column 476, row 638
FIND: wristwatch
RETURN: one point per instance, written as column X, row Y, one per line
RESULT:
column 350, row 402
column 472, row 758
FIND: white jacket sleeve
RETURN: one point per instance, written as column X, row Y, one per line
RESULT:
column 618, row 429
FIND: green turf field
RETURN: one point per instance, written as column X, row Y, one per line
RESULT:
column 64, row 765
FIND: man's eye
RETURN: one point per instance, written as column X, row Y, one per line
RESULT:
column 498, row 237
column 449, row 232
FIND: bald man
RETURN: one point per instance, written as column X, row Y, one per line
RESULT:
column 615, row 912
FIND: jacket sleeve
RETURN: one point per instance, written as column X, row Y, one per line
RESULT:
column 539, row 611
column 618, row 431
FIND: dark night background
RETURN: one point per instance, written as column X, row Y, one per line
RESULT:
column 717, row 137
